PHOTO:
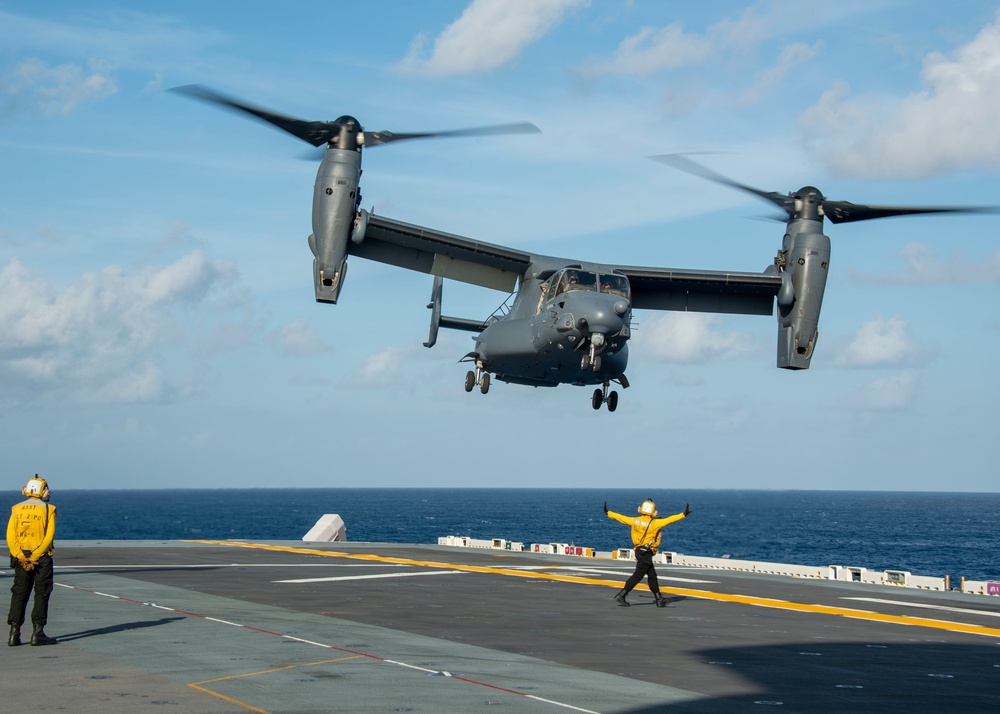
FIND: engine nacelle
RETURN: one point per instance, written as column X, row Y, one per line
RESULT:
column 807, row 263
column 335, row 201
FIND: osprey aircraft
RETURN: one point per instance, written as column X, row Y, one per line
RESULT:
column 566, row 321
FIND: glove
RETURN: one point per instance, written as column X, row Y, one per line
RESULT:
column 26, row 564
column 605, row 508
column 687, row 510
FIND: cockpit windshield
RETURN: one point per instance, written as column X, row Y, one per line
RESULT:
column 573, row 279
column 576, row 279
column 616, row 284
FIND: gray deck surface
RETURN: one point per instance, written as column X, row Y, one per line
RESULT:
column 203, row 627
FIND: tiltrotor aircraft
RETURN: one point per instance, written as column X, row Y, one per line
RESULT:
column 569, row 321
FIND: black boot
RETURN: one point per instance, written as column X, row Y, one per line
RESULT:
column 620, row 599
column 662, row 601
column 38, row 636
column 15, row 636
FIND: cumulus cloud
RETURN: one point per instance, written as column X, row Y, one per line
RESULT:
column 922, row 267
column 34, row 88
column 947, row 125
column 878, row 343
column 488, row 35
column 893, row 393
column 98, row 339
column 691, row 338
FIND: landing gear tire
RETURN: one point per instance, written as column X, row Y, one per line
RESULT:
column 590, row 363
column 470, row 380
column 603, row 396
column 484, row 383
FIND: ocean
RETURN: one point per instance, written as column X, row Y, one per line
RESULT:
column 936, row 534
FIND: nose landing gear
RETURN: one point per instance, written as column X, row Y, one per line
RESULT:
column 602, row 396
column 592, row 359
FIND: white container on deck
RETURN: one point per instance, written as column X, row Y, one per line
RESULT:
column 328, row 529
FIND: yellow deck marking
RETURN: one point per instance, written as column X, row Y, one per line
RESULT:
column 237, row 702
column 686, row 592
column 197, row 685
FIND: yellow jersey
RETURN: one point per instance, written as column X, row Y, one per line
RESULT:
column 646, row 530
column 31, row 529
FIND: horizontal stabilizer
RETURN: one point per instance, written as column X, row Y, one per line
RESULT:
column 461, row 323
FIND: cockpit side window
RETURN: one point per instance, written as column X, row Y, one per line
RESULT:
column 548, row 291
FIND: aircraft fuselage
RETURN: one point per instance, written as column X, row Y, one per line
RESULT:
column 572, row 328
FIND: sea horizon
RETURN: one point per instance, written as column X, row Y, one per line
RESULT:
column 926, row 533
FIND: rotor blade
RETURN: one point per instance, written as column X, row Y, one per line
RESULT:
column 682, row 163
column 847, row 212
column 316, row 133
column 377, row 138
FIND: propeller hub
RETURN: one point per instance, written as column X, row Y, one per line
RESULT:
column 346, row 133
column 808, row 204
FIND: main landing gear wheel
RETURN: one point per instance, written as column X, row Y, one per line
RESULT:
column 480, row 378
column 602, row 396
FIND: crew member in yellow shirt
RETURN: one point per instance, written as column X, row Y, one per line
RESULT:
column 31, row 531
column 646, row 531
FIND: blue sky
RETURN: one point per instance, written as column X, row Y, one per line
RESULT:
column 157, row 321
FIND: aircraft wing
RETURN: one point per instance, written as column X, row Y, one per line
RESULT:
column 448, row 256
column 498, row 267
column 702, row 290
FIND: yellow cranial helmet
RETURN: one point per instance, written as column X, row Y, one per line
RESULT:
column 648, row 508
column 36, row 488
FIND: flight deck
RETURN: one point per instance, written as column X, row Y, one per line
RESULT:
column 236, row 626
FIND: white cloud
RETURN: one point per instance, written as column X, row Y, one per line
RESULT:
column 97, row 339
column 380, row 368
column 691, row 338
column 894, row 393
column 653, row 50
column 949, row 124
column 488, row 35
column 793, row 56
column 922, row 267
column 878, row 343
column 33, row 88
column 299, row 338
column 177, row 236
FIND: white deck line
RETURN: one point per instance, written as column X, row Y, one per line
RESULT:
column 925, row 606
column 371, row 577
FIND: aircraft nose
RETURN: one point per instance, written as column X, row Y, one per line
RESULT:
column 606, row 320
